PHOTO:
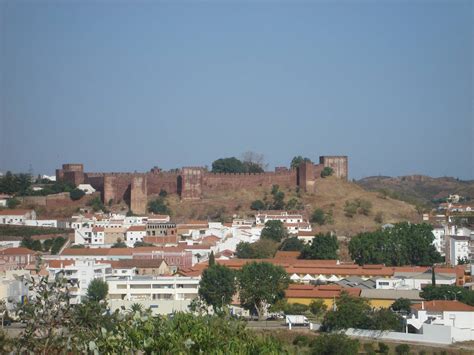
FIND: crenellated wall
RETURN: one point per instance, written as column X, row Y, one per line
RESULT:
column 193, row 182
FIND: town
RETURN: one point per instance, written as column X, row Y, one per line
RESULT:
column 150, row 262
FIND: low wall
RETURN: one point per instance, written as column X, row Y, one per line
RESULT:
column 161, row 307
column 437, row 334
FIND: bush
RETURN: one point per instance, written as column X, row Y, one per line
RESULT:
column 379, row 218
column 327, row 171
column 301, row 340
column 96, row 204
column 76, row 194
column 318, row 217
column 296, row 308
column 317, row 307
column 383, row 348
column 350, row 209
column 13, row 203
column 257, row 205
column 163, row 193
column 402, row 349
column 158, row 206
column 340, row 344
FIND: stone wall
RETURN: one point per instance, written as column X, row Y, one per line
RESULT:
column 138, row 195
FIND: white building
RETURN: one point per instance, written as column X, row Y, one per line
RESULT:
column 80, row 273
column 134, row 234
column 12, row 287
column 284, row 217
column 458, row 248
column 16, row 217
column 443, row 316
column 87, row 188
column 52, row 223
column 416, row 282
column 4, row 199
column 439, row 233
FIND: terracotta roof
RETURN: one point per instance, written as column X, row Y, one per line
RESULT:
column 17, row 251
column 57, row 264
column 98, row 229
column 137, row 229
column 280, row 254
column 211, row 239
column 306, row 234
column 440, row 306
column 97, row 251
column 323, row 291
column 14, row 212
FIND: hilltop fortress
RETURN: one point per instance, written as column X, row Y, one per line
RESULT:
column 195, row 182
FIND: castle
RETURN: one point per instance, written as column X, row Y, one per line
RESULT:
column 194, row 182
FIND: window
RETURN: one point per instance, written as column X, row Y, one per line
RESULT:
column 121, row 287
column 384, row 283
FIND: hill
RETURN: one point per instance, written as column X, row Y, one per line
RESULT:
column 419, row 189
column 331, row 196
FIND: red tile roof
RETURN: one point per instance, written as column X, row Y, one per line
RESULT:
column 323, row 291
column 17, row 251
column 440, row 306
column 137, row 229
column 17, row 212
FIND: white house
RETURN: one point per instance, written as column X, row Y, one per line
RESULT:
column 87, row 188
column 80, row 273
column 4, row 199
column 284, row 217
column 458, row 248
column 439, row 233
column 442, row 316
column 134, row 234
column 53, row 223
column 98, row 236
column 415, row 282
column 16, row 217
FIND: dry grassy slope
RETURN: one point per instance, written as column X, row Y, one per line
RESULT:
column 331, row 194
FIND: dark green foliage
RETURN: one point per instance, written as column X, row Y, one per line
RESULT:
column 158, row 206
column 27, row 231
column 296, row 161
column 356, row 312
column 163, row 193
column 17, row 184
column 317, row 307
column 357, row 206
column 261, row 284
column 97, row 290
column 402, row 349
column 217, row 286
column 301, row 340
column 448, row 292
column 274, row 230
column 383, row 348
column 296, row 308
column 294, row 204
column 327, row 171
column 119, row 244
column 318, row 217
column 404, row 244
column 335, row 344
column 278, row 198
column 76, row 194
column 257, row 205
column 13, row 203
column 292, row 244
column 53, row 245
column 212, row 259
column 234, row 165
column 401, row 305
column 323, row 246
column 142, row 244
column 463, row 261
column 262, row 249
column 96, row 204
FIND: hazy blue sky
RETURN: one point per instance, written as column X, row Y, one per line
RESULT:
column 124, row 86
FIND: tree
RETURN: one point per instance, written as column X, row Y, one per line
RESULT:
column 212, row 259
column 323, row 246
column 142, row 244
column 262, row 249
column 163, row 193
column 274, row 230
column 401, row 305
column 292, row 244
column 76, row 194
column 403, row 244
column 254, row 162
column 294, row 204
column 296, row 161
column 96, row 204
column 57, row 244
column 402, row 349
column 158, row 206
column 448, row 292
column 350, row 312
column 119, row 244
column 257, row 205
column 13, row 203
column 335, row 344
column 97, row 290
column 261, row 285
column 318, row 217
column 278, row 198
column 317, row 307
column 228, row 165
column 327, row 171
column 217, row 286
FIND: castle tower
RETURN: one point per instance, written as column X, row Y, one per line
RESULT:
column 138, row 195
column 109, row 188
column 339, row 163
column 305, row 177
column 72, row 173
column 190, row 183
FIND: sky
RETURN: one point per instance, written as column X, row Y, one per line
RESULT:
column 128, row 85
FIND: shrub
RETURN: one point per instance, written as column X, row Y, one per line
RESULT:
column 339, row 344
column 327, row 171
column 257, row 205
column 379, row 217
column 402, row 349
column 13, row 203
column 318, row 217
column 383, row 348
column 301, row 340
column 76, row 194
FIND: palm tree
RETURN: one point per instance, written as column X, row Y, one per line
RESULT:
column 136, row 307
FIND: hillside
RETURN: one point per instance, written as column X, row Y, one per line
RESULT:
column 331, row 195
column 419, row 188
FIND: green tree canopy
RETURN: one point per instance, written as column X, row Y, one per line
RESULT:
column 262, row 249
column 292, row 244
column 217, row 286
column 448, row 292
column 403, row 244
column 323, row 246
column 257, row 205
column 158, row 206
column 296, row 161
column 260, row 285
column 335, row 344
column 13, row 203
column 97, row 290
column 401, row 305
column 327, row 171
column 274, row 230
column 76, row 194
column 318, row 216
